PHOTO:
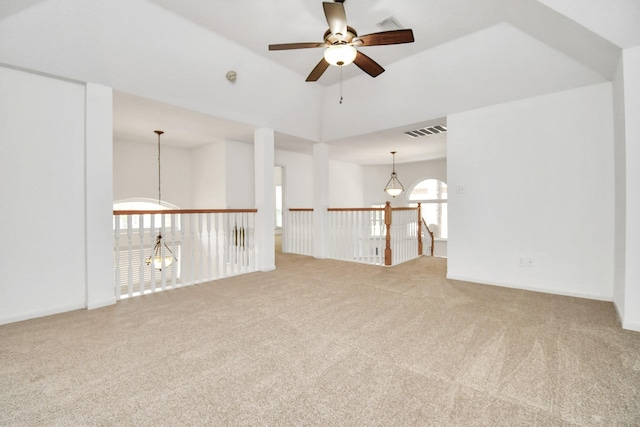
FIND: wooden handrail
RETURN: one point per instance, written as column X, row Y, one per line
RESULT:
column 402, row 208
column 354, row 209
column 430, row 234
column 183, row 211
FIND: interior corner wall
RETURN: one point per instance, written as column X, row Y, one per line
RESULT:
column 376, row 177
column 135, row 171
column 42, row 179
column 239, row 175
column 620, row 190
column 298, row 178
column 345, row 185
column 532, row 183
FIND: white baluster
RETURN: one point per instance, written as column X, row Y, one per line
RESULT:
column 142, row 260
column 228, row 232
column 242, row 249
column 209, row 272
column 192, row 244
column 116, row 235
column 200, row 250
column 295, row 232
column 174, row 269
column 252, row 243
column 129, row 256
column 301, row 227
column 218, row 243
column 163, row 269
column 152, row 233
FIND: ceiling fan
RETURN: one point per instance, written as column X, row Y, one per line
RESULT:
column 341, row 40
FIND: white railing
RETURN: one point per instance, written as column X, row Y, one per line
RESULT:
column 206, row 245
column 404, row 235
column 357, row 235
column 298, row 232
column 379, row 236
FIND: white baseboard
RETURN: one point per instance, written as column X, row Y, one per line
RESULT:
column 12, row 318
column 92, row 305
column 632, row 326
column 534, row 288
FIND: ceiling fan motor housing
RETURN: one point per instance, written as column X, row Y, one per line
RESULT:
column 332, row 39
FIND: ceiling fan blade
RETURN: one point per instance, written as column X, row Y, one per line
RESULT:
column 385, row 37
column 368, row 65
column 318, row 71
column 286, row 46
column 336, row 18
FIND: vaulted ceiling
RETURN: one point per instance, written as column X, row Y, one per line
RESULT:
column 167, row 61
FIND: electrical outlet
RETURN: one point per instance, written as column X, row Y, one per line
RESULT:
column 525, row 261
column 460, row 189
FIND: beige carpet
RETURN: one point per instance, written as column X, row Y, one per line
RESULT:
column 328, row 343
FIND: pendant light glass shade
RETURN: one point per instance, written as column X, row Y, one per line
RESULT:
column 394, row 187
column 340, row 54
column 159, row 261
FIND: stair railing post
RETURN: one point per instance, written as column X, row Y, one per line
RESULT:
column 419, row 230
column 387, row 223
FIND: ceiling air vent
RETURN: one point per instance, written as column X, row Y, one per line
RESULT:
column 389, row 24
column 426, row 131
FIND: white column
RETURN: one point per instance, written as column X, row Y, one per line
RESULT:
column 265, row 199
column 99, row 195
column 320, row 198
column 631, row 61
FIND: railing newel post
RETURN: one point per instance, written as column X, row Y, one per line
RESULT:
column 387, row 223
column 420, row 249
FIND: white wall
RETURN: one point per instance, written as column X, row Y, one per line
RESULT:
column 208, row 180
column 346, row 181
column 42, row 179
column 298, row 178
column 345, row 185
column 631, row 63
column 538, row 179
column 135, row 171
column 239, row 175
column 218, row 175
column 404, row 93
column 86, row 41
column 409, row 174
column 620, row 190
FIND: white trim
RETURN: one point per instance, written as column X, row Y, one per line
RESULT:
column 534, row 289
column 632, row 326
column 40, row 313
column 102, row 303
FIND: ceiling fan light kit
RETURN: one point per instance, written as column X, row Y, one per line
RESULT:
column 340, row 42
column 340, row 54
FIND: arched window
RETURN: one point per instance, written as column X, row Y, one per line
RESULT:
column 432, row 194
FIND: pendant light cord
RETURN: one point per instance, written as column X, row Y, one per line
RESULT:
column 159, row 175
column 159, row 132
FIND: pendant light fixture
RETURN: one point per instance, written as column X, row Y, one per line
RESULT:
column 159, row 258
column 394, row 187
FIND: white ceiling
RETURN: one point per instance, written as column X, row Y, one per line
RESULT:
column 467, row 54
column 135, row 118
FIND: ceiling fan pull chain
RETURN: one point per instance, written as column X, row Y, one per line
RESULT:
column 340, row 84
